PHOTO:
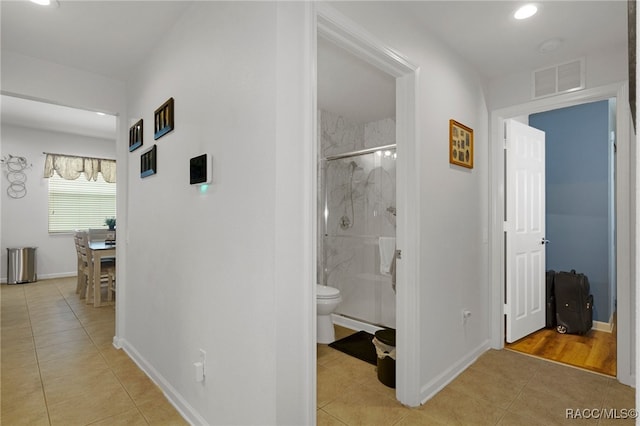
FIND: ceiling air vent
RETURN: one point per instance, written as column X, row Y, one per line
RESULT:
column 561, row 78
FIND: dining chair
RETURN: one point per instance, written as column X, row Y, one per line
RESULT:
column 81, row 264
column 111, row 284
column 85, row 286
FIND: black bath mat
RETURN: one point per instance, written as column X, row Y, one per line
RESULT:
column 358, row 345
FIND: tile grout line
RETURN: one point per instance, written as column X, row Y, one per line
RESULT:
column 115, row 374
column 105, row 361
column 35, row 350
column 507, row 410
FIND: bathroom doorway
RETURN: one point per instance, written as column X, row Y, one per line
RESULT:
column 333, row 28
column 357, row 187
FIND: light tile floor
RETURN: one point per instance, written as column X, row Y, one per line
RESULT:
column 500, row 388
column 59, row 367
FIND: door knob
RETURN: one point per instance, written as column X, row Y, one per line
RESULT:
column 544, row 241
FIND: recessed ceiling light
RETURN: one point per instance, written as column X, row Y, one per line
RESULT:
column 51, row 3
column 526, row 11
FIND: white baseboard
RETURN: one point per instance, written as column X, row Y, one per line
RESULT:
column 3, row 280
column 603, row 326
column 434, row 386
column 178, row 402
column 353, row 324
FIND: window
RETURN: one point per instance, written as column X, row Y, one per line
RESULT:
column 79, row 203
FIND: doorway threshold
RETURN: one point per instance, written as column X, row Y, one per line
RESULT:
column 594, row 351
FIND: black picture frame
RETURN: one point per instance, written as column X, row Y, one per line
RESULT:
column 163, row 119
column 135, row 136
column 148, row 162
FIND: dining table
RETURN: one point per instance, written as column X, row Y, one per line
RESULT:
column 99, row 250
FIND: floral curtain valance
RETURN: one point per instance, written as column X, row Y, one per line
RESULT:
column 71, row 167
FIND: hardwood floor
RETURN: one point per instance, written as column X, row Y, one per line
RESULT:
column 594, row 351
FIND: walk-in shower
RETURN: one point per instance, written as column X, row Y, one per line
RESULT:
column 358, row 229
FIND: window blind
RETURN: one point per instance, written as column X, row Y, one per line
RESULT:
column 80, row 204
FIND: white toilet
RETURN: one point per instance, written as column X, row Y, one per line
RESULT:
column 327, row 300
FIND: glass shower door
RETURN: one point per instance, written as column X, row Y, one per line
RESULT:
column 359, row 234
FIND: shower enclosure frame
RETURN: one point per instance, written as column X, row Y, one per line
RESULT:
column 352, row 320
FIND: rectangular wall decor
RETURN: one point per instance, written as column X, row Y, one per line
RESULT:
column 460, row 144
column 163, row 119
column 148, row 162
column 135, row 136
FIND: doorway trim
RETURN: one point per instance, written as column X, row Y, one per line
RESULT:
column 335, row 27
column 626, row 305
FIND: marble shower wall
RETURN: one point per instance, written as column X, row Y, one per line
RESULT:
column 339, row 135
column 356, row 208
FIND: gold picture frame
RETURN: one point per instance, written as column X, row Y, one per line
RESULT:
column 460, row 144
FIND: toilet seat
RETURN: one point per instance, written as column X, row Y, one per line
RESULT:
column 326, row 292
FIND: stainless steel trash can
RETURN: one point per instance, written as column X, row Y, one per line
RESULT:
column 21, row 265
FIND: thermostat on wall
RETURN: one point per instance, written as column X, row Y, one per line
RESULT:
column 200, row 170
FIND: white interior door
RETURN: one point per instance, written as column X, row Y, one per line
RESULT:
column 525, row 230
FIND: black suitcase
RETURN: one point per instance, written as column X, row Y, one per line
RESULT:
column 550, row 300
column 574, row 303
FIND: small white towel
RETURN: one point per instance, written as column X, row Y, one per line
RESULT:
column 387, row 250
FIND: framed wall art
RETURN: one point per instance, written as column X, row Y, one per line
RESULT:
column 460, row 144
column 148, row 162
column 163, row 119
column 135, row 136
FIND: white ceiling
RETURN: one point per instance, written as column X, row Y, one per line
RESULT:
column 111, row 37
column 103, row 37
column 57, row 118
column 496, row 44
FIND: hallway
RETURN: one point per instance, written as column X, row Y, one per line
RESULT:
column 59, row 366
column 500, row 388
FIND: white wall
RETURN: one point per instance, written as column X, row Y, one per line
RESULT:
column 224, row 270
column 453, row 264
column 25, row 220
